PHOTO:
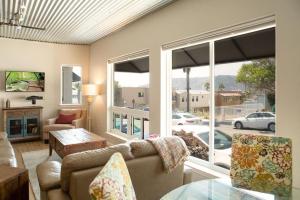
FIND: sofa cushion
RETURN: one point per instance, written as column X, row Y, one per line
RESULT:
column 149, row 179
column 113, row 181
column 58, row 194
column 141, row 148
column 90, row 159
column 65, row 119
column 7, row 154
column 48, row 174
column 3, row 135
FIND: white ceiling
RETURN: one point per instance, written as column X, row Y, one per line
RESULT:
column 74, row 21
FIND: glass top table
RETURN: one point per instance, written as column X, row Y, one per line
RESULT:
column 222, row 189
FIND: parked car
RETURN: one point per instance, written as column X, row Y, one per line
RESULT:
column 257, row 120
column 184, row 119
column 222, row 142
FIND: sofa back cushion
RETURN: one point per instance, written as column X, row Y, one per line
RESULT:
column 90, row 159
column 148, row 177
column 141, row 148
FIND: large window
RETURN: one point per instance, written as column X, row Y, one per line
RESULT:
column 190, row 81
column 222, row 87
column 130, row 98
column 71, row 85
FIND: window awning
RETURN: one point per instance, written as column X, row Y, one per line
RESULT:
column 75, row 77
column 140, row 65
column 251, row 46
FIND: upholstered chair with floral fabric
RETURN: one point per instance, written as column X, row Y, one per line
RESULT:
column 262, row 163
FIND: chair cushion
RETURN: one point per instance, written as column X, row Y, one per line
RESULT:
column 262, row 163
column 65, row 119
column 57, row 127
column 113, row 181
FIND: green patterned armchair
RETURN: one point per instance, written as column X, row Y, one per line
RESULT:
column 262, row 163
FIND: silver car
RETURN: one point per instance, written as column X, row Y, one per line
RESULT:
column 257, row 120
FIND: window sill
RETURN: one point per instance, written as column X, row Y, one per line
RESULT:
column 205, row 171
column 118, row 136
column 71, row 105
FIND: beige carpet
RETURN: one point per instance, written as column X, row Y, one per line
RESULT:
column 31, row 160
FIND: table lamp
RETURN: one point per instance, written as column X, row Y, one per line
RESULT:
column 89, row 90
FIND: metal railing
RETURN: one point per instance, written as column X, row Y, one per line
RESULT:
column 131, row 122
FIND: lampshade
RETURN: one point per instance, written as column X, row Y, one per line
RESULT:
column 89, row 90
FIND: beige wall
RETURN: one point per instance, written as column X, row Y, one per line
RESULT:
column 37, row 56
column 186, row 18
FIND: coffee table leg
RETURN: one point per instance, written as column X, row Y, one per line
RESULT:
column 50, row 149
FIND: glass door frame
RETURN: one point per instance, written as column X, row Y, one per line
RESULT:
column 25, row 124
column 9, row 119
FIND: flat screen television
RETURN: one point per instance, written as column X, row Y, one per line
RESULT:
column 18, row 81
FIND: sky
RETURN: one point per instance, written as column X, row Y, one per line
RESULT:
column 126, row 79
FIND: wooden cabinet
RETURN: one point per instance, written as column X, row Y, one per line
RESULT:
column 22, row 122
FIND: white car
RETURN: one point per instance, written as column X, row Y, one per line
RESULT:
column 184, row 119
column 222, row 148
column 257, row 120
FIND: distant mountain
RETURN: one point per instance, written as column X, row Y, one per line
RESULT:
column 198, row 83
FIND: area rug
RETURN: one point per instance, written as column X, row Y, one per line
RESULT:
column 31, row 160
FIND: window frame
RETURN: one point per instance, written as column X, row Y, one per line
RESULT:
column 166, row 71
column 61, row 85
column 112, row 110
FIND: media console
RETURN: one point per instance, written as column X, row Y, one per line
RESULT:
column 22, row 123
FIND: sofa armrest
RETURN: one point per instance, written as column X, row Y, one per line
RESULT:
column 48, row 174
column 187, row 175
column 78, row 123
column 51, row 121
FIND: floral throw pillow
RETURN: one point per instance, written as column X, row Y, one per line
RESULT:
column 262, row 163
column 113, row 182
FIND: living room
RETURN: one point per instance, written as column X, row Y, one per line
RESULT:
column 146, row 70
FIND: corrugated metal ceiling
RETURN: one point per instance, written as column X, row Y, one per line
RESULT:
column 73, row 21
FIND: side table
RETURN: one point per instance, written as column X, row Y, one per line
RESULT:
column 14, row 183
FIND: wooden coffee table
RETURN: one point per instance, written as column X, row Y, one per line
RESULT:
column 66, row 142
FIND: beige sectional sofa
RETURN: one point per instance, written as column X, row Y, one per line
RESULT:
column 7, row 154
column 71, row 178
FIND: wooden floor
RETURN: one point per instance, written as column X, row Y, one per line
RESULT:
column 26, row 147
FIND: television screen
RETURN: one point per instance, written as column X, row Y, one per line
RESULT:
column 24, row 81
